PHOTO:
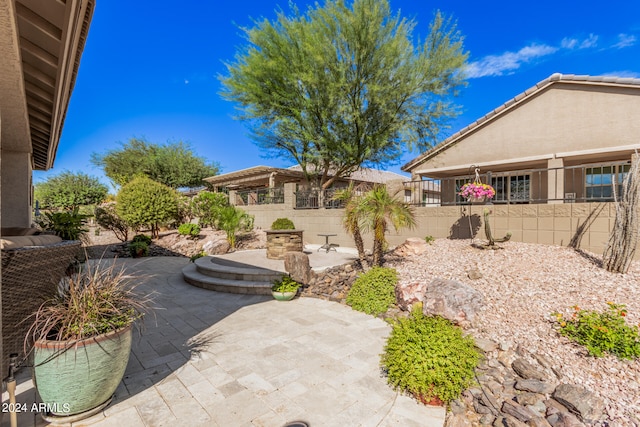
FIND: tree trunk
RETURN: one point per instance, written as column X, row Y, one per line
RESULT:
column 357, row 238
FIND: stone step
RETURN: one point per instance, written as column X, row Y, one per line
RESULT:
column 194, row 277
column 233, row 270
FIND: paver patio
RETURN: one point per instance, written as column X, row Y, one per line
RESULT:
column 217, row 359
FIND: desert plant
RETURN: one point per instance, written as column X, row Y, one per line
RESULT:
column 429, row 239
column 138, row 249
column 351, row 221
column 69, row 225
column 373, row 292
column 206, row 206
column 194, row 257
column 107, row 217
column 191, row 230
column 231, row 220
column 491, row 241
column 141, row 238
column 146, row 202
column 430, row 358
column 602, row 332
column 286, row 284
column 378, row 209
column 283, row 224
column 623, row 240
column 90, row 302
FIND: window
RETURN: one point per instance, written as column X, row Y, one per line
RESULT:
column 601, row 179
column 512, row 189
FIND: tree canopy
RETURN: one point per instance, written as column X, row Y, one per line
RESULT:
column 69, row 190
column 341, row 87
column 173, row 164
column 144, row 202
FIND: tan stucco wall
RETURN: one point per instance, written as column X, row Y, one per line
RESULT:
column 544, row 224
column 560, row 119
column 16, row 189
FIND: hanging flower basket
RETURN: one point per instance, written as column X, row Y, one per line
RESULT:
column 477, row 192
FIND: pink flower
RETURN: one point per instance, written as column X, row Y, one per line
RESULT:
column 477, row 190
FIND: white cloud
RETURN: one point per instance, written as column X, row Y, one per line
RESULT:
column 186, row 81
column 623, row 74
column 576, row 43
column 625, row 40
column 507, row 62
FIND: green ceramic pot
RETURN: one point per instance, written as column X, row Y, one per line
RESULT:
column 283, row 296
column 73, row 377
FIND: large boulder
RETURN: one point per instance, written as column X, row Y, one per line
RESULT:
column 412, row 246
column 452, row 300
column 582, row 402
column 216, row 247
column 409, row 294
column 297, row 265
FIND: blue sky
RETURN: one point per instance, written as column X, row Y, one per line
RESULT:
column 150, row 69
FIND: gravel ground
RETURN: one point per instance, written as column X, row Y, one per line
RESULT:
column 523, row 283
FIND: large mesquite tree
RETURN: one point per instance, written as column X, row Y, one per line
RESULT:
column 345, row 85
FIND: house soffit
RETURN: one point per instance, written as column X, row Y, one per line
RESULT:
column 594, row 81
column 51, row 37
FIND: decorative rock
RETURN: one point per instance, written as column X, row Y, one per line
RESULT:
column 535, row 386
column 486, row 345
column 409, row 294
column 529, row 398
column 487, row 419
column 474, row 274
column 216, row 247
column 297, row 265
column 538, row 422
column 580, row 401
column 564, row 419
column 526, row 370
column 516, row 410
column 452, row 300
column 457, row 406
column 412, row 246
column 458, row 420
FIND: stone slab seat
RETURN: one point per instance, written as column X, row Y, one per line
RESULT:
column 220, row 275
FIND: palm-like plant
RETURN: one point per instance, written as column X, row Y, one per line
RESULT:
column 231, row 220
column 378, row 209
column 351, row 196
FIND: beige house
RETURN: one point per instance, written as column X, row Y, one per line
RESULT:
column 567, row 139
column 270, row 185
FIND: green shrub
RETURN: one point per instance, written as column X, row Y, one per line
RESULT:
column 283, row 224
column 200, row 254
column 143, row 202
column 430, row 358
column 232, row 220
column 286, row 284
column 138, row 249
column 141, row 238
column 602, row 332
column 68, row 225
column 191, row 230
column 429, row 239
column 206, row 206
column 374, row 291
column 107, row 217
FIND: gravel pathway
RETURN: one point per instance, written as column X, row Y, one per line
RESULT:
column 523, row 283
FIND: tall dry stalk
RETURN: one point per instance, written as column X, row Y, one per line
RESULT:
column 624, row 236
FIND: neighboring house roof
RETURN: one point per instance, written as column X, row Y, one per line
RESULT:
column 368, row 175
column 41, row 43
column 294, row 173
column 516, row 101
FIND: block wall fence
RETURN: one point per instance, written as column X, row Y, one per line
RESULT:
column 549, row 224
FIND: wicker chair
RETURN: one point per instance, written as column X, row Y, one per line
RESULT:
column 29, row 274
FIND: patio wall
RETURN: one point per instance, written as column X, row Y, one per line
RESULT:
column 553, row 224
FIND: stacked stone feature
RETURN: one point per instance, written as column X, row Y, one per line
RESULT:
column 280, row 242
column 519, row 389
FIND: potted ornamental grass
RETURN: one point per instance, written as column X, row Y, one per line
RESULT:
column 477, row 192
column 81, row 339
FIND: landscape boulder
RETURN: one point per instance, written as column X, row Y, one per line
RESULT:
column 216, row 247
column 452, row 300
column 409, row 294
column 412, row 246
column 297, row 265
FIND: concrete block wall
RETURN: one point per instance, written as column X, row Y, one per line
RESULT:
column 549, row 224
